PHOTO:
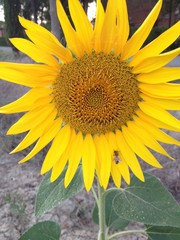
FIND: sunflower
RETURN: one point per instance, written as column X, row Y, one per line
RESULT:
column 103, row 100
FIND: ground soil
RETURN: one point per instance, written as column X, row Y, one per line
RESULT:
column 19, row 183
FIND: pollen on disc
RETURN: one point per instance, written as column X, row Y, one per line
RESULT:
column 97, row 93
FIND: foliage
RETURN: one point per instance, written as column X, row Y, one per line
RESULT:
column 170, row 5
column 52, row 194
column 3, row 41
column 16, row 206
column 47, row 230
column 37, row 10
column 12, row 10
column 163, row 233
column 147, row 202
column 112, row 219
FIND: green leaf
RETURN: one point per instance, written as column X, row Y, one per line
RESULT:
column 51, row 194
column 47, row 230
column 147, row 202
column 163, row 233
column 112, row 219
column 95, row 216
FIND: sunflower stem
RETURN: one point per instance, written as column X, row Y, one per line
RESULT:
column 95, row 195
column 101, row 206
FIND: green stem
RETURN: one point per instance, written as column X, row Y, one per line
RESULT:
column 126, row 232
column 95, row 195
column 101, row 206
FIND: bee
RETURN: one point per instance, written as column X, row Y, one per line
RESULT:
column 116, row 157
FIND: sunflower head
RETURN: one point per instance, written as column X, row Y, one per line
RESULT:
column 102, row 100
column 96, row 93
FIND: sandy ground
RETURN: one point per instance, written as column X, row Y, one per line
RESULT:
column 19, row 183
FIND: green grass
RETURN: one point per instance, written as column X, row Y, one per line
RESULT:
column 17, row 207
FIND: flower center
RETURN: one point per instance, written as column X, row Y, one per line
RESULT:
column 97, row 93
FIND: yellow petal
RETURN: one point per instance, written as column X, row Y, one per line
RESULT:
column 36, row 132
column 30, row 25
column 40, row 73
column 58, row 167
column 129, row 156
column 161, row 75
column 159, row 114
column 57, row 148
column 122, row 30
column 88, row 161
column 124, row 170
column 28, row 48
column 158, row 96
column 82, row 25
column 61, row 163
column 30, row 75
column 98, row 168
column 74, row 158
column 155, row 132
column 161, row 90
column 26, row 102
column 138, row 147
column 42, row 102
column 155, row 122
column 109, row 27
column 153, row 63
column 31, row 119
column 110, row 136
column 98, row 26
column 73, row 42
column 26, row 106
column 105, row 158
column 146, row 138
column 116, row 175
column 159, row 44
column 136, row 41
column 44, row 139
column 48, row 46
column 167, row 104
column 45, row 40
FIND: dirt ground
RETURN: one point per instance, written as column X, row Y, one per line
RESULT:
column 19, row 183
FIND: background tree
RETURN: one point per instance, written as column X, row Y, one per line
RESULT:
column 55, row 26
column 55, row 29
column 36, row 10
column 12, row 25
column 85, row 4
column 11, row 11
column 170, row 7
column 104, row 3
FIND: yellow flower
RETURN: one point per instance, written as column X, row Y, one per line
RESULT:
column 103, row 100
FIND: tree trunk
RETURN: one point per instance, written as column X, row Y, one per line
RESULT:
column 34, row 9
column 85, row 5
column 13, row 28
column 55, row 27
column 104, row 3
column 171, row 11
